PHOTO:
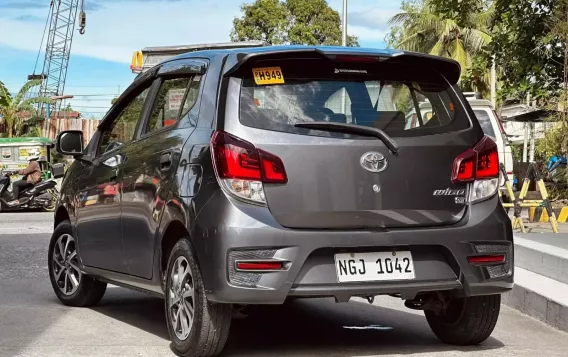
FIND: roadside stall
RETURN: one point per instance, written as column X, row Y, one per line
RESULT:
column 150, row 56
column 15, row 154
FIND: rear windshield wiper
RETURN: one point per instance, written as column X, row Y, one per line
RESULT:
column 353, row 129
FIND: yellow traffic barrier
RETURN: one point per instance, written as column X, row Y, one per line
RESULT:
column 541, row 208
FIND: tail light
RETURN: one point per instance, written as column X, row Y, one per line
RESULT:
column 243, row 169
column 479, row 165
column 500, row 123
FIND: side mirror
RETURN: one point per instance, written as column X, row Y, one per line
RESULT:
column 70, row 142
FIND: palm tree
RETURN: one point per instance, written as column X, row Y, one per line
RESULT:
column 426, row 31
column 11, row 106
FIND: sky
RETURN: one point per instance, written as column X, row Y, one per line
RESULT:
column 99, row 64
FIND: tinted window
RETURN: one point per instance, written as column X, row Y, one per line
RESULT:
column 122, row 130
column 315, row 91
column 169, row 102
column 191, row 95
column 485, row 122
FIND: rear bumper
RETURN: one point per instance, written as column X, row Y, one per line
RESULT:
column 226, row 230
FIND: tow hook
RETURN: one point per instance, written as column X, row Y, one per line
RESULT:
column 430, row 303
column 371, row 299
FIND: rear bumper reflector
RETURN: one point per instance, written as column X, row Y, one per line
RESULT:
column 260, row 266
column 487, row 259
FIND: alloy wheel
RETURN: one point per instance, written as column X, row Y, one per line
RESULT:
column 181, row 298
column 66, row 272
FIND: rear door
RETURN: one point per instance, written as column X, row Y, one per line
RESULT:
column 345, row 181
column 152, row 160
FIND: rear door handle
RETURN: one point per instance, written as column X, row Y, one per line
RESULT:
column 165, row 161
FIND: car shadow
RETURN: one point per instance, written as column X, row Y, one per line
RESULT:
column 322, row 327
column 140, row 310
column 302, row 327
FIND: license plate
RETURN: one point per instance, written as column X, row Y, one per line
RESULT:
column 377, row 266
column 267, row 75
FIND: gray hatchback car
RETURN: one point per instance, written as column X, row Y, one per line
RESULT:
column 228, row 178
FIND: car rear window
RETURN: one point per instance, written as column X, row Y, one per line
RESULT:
column 377, row 95
column 485, row 121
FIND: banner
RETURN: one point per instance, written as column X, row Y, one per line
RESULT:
column 26, row 152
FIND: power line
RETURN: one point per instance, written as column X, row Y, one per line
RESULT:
column 43, row 35
column 20, row 84
column 93, row 95
column 88, row 106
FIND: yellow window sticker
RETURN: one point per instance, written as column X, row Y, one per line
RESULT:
column 268, row 75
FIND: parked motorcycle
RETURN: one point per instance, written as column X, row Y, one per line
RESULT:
column 42, row 196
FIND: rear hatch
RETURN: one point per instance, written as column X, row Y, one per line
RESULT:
column 338, row 179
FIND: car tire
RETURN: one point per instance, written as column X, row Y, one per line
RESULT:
column 72, row 287
column 466, row 321
column 206, row 333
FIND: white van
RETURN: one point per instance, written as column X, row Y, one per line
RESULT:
column 489, row 122
column 492, row 126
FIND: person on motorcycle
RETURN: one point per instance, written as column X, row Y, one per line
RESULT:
column 32, row 176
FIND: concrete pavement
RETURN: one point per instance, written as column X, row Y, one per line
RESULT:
column 34, row 323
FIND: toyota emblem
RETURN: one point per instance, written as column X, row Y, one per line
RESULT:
column 374, row 161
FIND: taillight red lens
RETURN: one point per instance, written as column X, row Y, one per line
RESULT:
column 235, row 158
column 501, row 128
column 272, row 168
column 464, row 166
column 480, row 162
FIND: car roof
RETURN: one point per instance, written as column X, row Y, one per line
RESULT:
column 472, row 102
column 480, row 103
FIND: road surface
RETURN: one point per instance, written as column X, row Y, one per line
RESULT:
column 34, row 323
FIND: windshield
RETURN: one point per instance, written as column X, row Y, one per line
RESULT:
column 363, row 98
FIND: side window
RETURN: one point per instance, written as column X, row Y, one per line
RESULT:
column 175, row 98
column 191, row 95
column 122, row 130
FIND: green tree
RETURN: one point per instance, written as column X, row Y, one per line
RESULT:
column 305, row 22
column 527, row 49
column 397, row 32
column 430, row 30
column 11, row 107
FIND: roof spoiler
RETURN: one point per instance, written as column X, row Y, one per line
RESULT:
column 449, row 68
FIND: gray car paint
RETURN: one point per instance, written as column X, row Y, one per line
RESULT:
column 216, row 223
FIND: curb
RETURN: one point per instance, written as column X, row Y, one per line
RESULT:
column 543, row 259
column 549, row 304
column 537, row 306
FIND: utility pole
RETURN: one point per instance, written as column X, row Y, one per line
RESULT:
column 344, row 43
column 344, row 25
column 526, row 138
column 493, row 85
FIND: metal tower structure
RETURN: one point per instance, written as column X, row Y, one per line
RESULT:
column 62, row 18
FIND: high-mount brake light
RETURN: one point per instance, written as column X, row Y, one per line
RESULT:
column 356, row 59
column 242, row 168
column 479, row 165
